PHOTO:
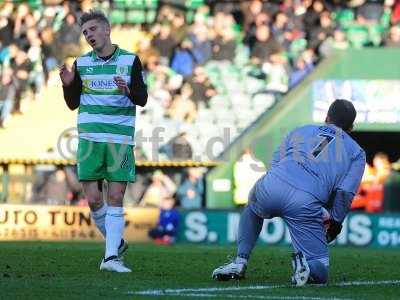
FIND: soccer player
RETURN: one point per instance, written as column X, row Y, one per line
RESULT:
column 316, row 167
column 106, row 84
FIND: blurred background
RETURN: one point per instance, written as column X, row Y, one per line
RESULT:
column 226, row 81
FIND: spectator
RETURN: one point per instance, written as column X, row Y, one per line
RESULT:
column 178, row 27
column 22, row 66
column 190, row 193
column 246, row 171
column 163, row 42
column 60, row 188
column 336, row 42
column 280, row 27
column 6, row 31
column 264, row 46
column 166, row 231
column 395, row 17
column 381, row 166
column 202, row 87
column 161, row 188
column 319, row 33
column 312, row 16
column 277, row 75
column 202, row 48
column 224, row 45
column 302, row 69
column 183, row 60
column 68, row 37
column 135, row 190
column 182, row 108
column 178, row 148
column 7, row 94
column 393, row 39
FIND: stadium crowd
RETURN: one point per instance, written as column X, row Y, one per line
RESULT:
column 212, row 68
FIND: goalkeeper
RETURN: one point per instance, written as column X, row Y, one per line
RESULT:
column 316, row 167
column 106, row 84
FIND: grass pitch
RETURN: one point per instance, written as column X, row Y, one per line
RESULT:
column 43, row 270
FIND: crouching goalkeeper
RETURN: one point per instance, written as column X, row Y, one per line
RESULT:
column 313, row 164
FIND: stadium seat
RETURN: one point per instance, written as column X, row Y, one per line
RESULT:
column 117, row 17
column 135, row 17
column 193, row 4
column 153, row 4
column 119, row 4
column 151, row 16
column 135, row 4
column 205, row 116
column 263, row 101
column 35, row 4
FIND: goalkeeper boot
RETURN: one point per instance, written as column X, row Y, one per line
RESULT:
column 114, row 264
column 301, row 270
column 123, row 246
column 231, row 270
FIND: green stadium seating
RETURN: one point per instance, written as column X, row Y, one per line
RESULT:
column 151, row 16
column 151, row 3
column 119, row 4
column 136, row 17
column 117, row 17
column 193, row 4
column 134, row 4
column 35, row 4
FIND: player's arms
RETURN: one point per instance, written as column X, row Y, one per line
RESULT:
column 346, row 191
column 72, row 91
column 137, row 88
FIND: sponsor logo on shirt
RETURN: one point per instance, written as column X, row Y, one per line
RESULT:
column 122, row 70
column 100, row 84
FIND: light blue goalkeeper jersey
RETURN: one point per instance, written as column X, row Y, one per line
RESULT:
column 319, row 160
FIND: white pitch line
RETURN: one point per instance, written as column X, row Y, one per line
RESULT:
column 215, row 289
column 256, row 287
column 372, row 282
column 202, row 295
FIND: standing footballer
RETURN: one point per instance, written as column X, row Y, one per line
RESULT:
column 315, row 167
column 105, row 84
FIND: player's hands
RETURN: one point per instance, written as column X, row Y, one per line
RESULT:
column 67, row 75
column 122, row 85
column 333, row 230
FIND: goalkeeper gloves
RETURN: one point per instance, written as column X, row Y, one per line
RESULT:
column 333, row 231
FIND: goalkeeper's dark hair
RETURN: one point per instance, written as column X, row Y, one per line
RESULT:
column 342, row 114
column 93, row 15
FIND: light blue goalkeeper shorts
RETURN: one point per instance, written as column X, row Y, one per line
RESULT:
column 273, row 197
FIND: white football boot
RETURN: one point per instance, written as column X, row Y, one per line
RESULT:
column 231, row 270
column 114, row 265
column 301, row 270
